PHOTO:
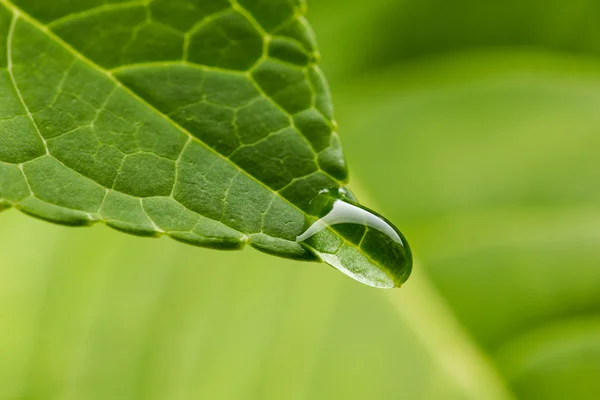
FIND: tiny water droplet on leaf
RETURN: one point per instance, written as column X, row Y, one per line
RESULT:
column 357, row 241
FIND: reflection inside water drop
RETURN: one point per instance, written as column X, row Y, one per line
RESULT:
column 357, row 241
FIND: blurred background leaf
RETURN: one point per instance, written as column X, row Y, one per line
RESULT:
column 474, row 127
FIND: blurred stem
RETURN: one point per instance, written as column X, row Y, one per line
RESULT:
column 420, row 306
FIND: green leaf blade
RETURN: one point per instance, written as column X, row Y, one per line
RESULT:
column 159, row 138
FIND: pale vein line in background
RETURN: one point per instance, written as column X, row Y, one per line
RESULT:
column 422, row 308
column 420, row 305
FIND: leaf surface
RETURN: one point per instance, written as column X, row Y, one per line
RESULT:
column 207, row 121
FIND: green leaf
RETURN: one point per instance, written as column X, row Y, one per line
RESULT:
column 205, row 121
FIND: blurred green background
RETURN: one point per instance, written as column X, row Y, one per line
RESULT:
column 474, row 126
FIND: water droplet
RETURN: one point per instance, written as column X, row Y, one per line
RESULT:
column 357, row 241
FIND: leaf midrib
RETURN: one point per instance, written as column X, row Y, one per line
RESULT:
column 19, row 13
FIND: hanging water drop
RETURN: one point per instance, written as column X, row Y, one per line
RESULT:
column 357, row 241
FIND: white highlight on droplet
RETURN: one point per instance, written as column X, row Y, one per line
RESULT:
column 346, row 213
